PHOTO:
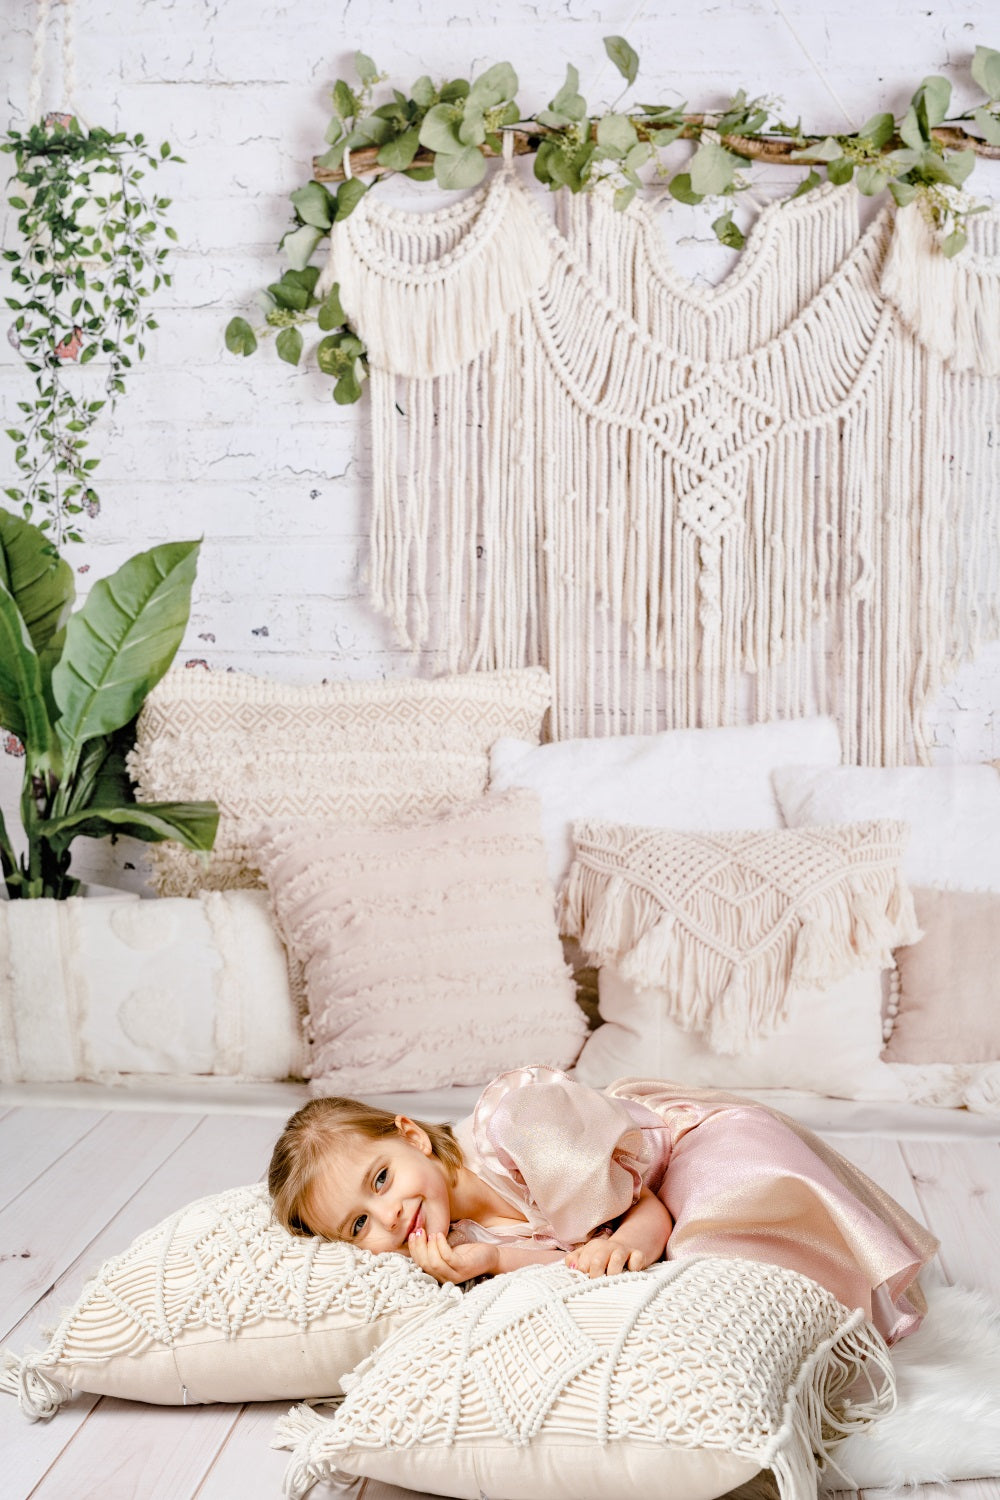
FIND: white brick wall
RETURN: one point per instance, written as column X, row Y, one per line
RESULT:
column 254, row 456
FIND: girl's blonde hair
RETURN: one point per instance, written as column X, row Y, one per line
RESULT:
column 313, row 1134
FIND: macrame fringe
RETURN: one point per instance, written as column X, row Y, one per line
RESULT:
column 303, row 1430
column 39, row 1394
column 429, row 321
column 820, row 1410
column 733, row 1002
column 952, row 305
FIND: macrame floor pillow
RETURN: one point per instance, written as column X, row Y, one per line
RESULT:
column 686, row 1379
column 218, row 1303
column 364, row 752
column 728, row 922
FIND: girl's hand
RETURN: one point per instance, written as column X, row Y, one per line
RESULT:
column 606, row 1256
column 454, row 1263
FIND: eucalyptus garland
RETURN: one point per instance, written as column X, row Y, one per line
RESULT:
column 446, row 131
column 91, row 255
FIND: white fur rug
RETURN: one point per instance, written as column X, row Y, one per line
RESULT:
column 946, row 1424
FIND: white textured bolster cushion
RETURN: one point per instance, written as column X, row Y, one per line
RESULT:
column 95, row 989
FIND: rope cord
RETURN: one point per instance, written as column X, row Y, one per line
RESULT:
column 44, row 14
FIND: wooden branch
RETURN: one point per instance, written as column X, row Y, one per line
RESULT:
column 365, row 163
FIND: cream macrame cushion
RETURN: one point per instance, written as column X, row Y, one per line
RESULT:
column 727, row 924
column 682, row 778
column 683, row 1380
column 118, row 988
column 365, row 752
column 218, row 1303
column 830, row 1043
column 430, row 950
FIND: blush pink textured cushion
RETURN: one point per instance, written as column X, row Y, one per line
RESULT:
column 430, row 949
column 947, row 981
column 364, row 752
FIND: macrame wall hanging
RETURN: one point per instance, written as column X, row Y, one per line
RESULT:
column 693, row 506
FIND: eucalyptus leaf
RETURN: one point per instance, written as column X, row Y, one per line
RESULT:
column 345, row 101
column 911, row 131
column 399, row 152
column 423, row 91
column 989, row 125
column 455, row 91
column 624, row 57
column 569, row 102
column 623, row 197
column 986, row 71
column 331, row 313
column 365, row 69
column 810, row 181
column 472, row 126
column 953, row 243
column 680, row 188
column 299, row 244
column 712, row 169
column 330, row 357
column 827, row 150
column 616, row 133
column 493, row 87
column 421, row 173
column 841, row 171
column 727, row 232
column 879, row 129
column 349, row 195
column 289, row 345
column 313, row 205
column 462, row 169
column 439, row 130
column 931, row 102
column 348, row 389
column 240, row 337
column 903, row 192
column 870, row 179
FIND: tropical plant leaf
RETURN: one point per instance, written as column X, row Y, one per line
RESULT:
column 121, row 642
column 23, row 709
column 38, row 579
column 192, row 824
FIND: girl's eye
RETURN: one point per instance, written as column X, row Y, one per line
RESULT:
column 358, row 1225
column 381, row 1179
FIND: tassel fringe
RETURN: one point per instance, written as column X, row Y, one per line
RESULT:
column 953, row 306
column 303, row 1431
column 39, row 1395
column 726, row 962
column 820, row 1409
column 427, row 321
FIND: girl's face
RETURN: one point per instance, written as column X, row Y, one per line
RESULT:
column 377, row 1193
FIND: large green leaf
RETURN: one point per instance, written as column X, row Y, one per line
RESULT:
column 38, row 579
column 121, row 642
column 22, row 698
column 192, row 824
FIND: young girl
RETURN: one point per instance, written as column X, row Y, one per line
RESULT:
column 548, row 1169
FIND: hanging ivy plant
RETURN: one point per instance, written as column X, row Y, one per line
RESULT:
column 446, row 132
column 92, row 252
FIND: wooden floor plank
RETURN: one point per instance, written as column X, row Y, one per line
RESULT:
column 32, row 1142
column 45, row 1228
column 247, row 1466
column 958, row 1185
column 220, row 1151
column 125, row 1450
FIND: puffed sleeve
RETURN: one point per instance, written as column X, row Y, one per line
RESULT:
column 578, row 1154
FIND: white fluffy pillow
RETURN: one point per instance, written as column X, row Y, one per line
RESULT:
column 682, row 778
column 219, row 1303
column 953, row 813
column 686, row 1379
column 829, row 1044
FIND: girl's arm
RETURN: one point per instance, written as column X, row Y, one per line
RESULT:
column 458, row 1263
column 639, row 1240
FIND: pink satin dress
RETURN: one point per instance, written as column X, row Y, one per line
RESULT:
column 738, row 1179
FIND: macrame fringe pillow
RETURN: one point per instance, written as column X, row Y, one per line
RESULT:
column 219, row 1303
column 686, row 1379
column 728, row 923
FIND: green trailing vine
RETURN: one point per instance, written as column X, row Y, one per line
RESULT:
column 446, row 132
column 91, row 255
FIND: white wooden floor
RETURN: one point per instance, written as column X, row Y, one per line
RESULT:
column 76, row 1185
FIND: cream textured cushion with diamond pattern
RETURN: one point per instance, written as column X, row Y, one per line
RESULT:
column 219, row 1303
column 365, row 752
column 686, row 1379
